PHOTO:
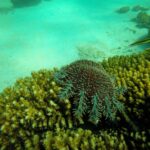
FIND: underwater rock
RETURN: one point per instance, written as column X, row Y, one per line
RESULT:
column 5, row 10
column 91, row 88
column 123, row 10
column 24, row 3
column 5, row 6
column 142, row 19
column 139, row 8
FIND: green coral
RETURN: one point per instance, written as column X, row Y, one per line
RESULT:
column 31, row 107
column 84, row 139
column 146, row 53
column 33, row 117
column 133, row 72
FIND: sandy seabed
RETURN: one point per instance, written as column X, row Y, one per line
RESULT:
column 51, row 33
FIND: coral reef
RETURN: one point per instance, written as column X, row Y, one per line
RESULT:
column 33, row 117
column 85, row 139
column 29, row 108
column 91, row 89
column 123, row 10
column 146, row 53
column 133, row 72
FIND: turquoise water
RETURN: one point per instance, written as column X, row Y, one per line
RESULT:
column 53, row 33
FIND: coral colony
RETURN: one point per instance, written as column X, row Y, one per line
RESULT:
column 33, row 116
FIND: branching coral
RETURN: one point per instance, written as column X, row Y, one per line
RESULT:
column 133, row 72
column 33, row 117
column 30, row 107
column 92, row 90
column 84, row 139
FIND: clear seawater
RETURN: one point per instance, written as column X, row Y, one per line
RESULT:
column 51, row 34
